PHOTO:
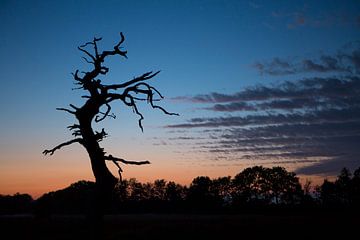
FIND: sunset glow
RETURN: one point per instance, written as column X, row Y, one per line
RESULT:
column 255, row 83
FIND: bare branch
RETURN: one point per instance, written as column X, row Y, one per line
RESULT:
column 135, row 109
column 74, row 126
column 99, row 136
column 145, row 76
column 116, row 50
column 95, row 46
column 76, row 76
column 86, row 60
column 77, row 88
column 121, row 40
column 88, row 43
column 97, row 119
column 51, row 151
column 163, row 110
column 115, row 159
column 66, row 110
column 145, row 99
column 119, row 169
column 141, row 117
column 149, row 92
column 129, row 100
column 73, row 106
column 87, row 53
column 151, row 101
column 76, row 133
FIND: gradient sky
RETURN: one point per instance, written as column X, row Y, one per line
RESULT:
column 255, row 83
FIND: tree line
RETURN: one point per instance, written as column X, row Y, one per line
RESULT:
column 252, row 189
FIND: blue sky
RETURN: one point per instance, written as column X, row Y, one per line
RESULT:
column 201, row 47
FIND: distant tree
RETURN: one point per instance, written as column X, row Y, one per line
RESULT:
column 344, row 191
column 175, row 192
column 355, row 188
column 328, row 193
column 77, row 198
column 122, row 190
column 266, row 185
column 97, row 108
column 158, row 190
column 308, row 198
column 307, row 187
column 136, row 190
column 221, row 190
column 15, row 204
column 199, row 194
column 282, row 186
column 248, row 185
column 343, row 186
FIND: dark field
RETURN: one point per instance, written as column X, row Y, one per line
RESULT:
column 177, row 226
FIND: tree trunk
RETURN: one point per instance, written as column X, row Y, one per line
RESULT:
column 105, row 180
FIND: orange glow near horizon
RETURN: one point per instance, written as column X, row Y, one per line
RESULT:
column 31, row 172
column 38, row 174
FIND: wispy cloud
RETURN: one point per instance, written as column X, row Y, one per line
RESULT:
column 310, row 93
column 345, row 61
column 313, row 122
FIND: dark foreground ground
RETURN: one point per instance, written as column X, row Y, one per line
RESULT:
column 177, row 226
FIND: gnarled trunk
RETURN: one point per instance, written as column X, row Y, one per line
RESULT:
column 105, row 180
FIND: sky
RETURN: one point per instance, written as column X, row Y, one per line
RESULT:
column 272, row 83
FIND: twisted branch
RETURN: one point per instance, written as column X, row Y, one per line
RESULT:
column 97, row 119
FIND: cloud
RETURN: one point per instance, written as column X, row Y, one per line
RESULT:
column 232, row 107
column 323, row 117
column 309, row 93
column 313, row 123
column 275, row 67
column 331, row 166
column 345, row 61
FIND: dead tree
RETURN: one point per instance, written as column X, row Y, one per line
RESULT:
column 100, row 96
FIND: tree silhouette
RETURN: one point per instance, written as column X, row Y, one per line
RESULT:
column 343, row 186
column 266, row 185
column 248, row 185
column 99, row 97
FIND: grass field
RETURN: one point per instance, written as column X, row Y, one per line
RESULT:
column 177, row 226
